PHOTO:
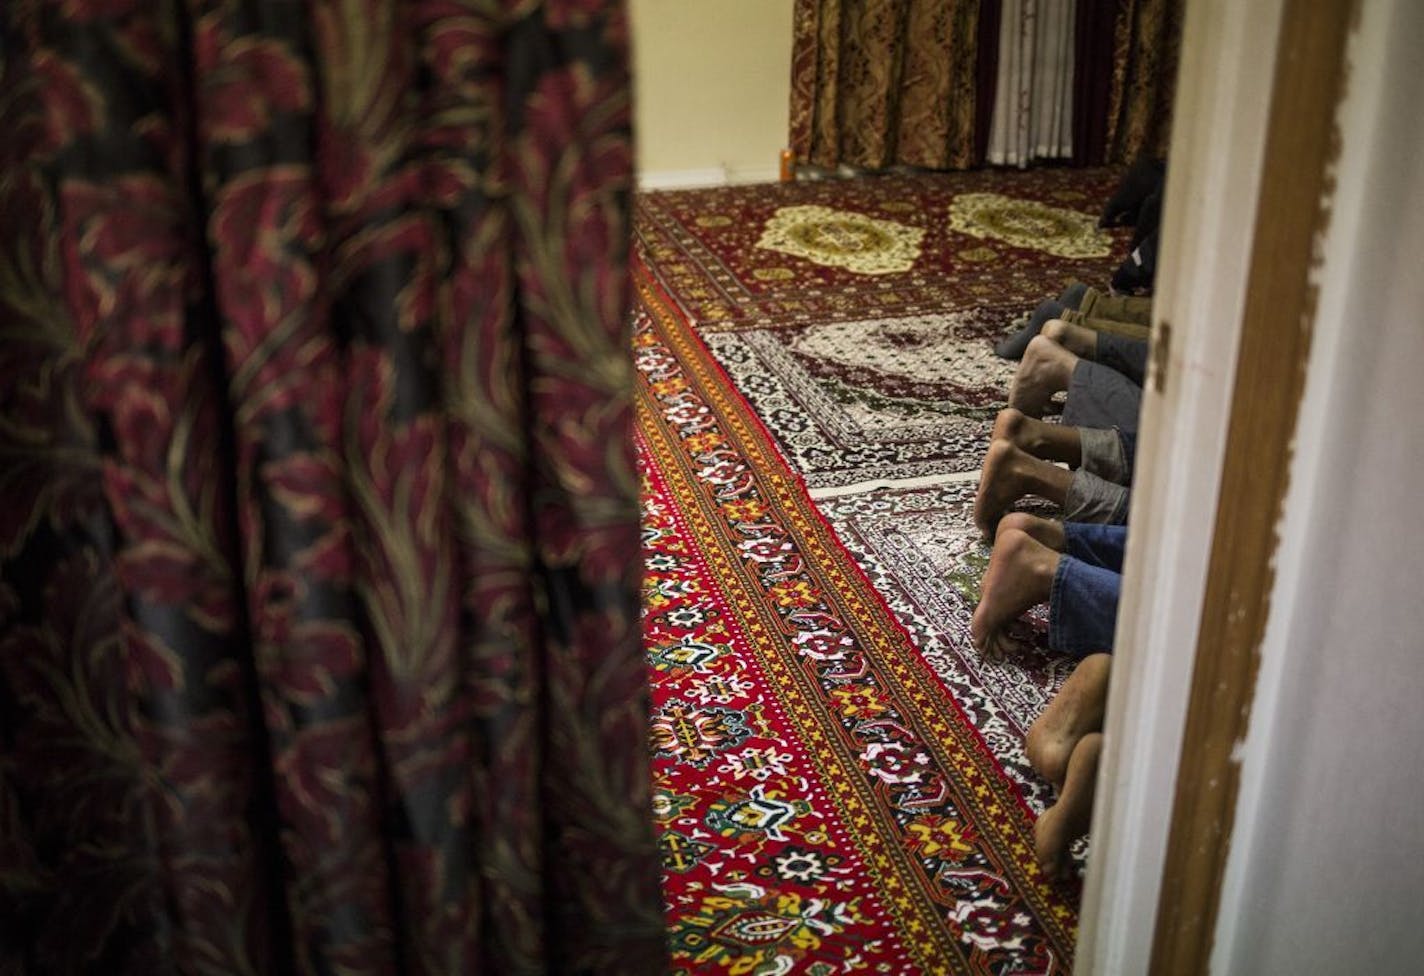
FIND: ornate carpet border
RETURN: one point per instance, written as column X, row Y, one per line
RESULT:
column 731, row 481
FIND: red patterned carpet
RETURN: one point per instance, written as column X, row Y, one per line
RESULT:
column 887, row 246
column 825, row 802
column 924, row 556
column 841, row 779
column 857, row 316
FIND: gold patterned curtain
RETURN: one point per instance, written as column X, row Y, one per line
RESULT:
column 1147, row 39
column 879, row 83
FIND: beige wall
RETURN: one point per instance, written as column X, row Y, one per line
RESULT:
column 711, row 88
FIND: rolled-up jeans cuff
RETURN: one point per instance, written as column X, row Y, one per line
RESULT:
column 1093, row 499
column 1082, row 608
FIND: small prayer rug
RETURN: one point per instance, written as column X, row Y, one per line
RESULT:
column 878, row 247
column 825, row 803
column 873, row 400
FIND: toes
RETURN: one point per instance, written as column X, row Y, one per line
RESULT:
column 997, row 645
column 1059, row 867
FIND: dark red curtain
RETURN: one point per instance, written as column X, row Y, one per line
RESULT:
column 1094, row 40
column 986, row 74
column 318, row 511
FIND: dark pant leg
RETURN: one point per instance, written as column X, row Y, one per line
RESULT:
column 1099, row 396
column 1126, row 355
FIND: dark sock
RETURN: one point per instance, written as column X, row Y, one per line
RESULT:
column 1013, row 346
column 1072, row 296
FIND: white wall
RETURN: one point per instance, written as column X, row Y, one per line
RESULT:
column 711, row 89
column 1326, row 873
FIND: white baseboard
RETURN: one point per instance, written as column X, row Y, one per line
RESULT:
column 678, row 179
column 754, row 174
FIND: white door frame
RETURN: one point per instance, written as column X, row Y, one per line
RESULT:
column 1220, row 129
column 1218, row 140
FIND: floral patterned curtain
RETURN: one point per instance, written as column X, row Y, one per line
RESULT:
column 319, row 644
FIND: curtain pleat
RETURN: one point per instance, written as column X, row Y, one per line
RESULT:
column 986, row 75
column 1051, row 136
column 880, row 83
column 319, row 561
column 1147, row 41
column 1032, row 116
column 936, row 108
column 1094, row 41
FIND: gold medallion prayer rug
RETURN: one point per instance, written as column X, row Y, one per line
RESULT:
column 858, row 316
column 886, row 246
column 825, row 803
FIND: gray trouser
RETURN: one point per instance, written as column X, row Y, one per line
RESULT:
column 1098, row 491
column 1127, row 356
column 1100, row 396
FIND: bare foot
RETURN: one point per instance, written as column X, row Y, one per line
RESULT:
column 1077, row 339
column 1008, row 475
column 1019, row 576
column 1069, row 818
column 1045, row 370
column 1075, row 711
column 998, row 486
column 1008, row 423
column 1051, row 442
column 1047, row 531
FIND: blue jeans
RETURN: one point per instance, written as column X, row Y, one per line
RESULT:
column 1082, row 602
